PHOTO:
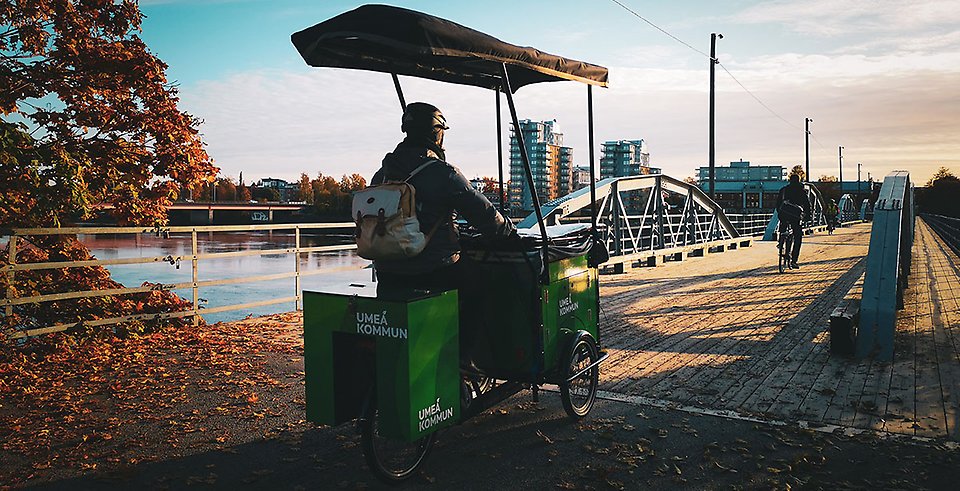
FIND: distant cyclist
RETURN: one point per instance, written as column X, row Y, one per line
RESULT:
column 792, row 205
column 832, row 213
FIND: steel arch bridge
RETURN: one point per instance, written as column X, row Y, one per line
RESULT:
column 640, row 215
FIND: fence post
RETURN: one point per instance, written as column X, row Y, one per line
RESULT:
column 296, row 257
column 196, row 289
column 11, row 274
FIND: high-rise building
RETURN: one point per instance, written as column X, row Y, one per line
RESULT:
column 623, row 158
column 581, row 177
column 550, row 162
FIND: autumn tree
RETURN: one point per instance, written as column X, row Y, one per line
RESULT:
column 352, row 183
column 88, row 118
column 826, row 178
column 260, row 193
column 305, row 189
column 243, row 194
column 226, row 190
column 798, row 171
column 81, row 79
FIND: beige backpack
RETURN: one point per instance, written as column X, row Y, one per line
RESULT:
column 386, row 216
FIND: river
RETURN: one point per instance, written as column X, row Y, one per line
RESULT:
column 144, row 245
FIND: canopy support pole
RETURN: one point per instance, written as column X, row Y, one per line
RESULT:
column 526, row 166
column 503, row 207
column 593, row 177
column 396, row 84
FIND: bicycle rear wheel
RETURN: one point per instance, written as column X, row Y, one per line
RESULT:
column 786, row 243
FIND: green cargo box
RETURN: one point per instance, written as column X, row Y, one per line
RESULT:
column 406, row 346
column 521, row 328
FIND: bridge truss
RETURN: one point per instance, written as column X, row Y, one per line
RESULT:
column 637, row 215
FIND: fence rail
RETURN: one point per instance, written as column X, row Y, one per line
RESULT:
column 948, row 228
column 15, row 236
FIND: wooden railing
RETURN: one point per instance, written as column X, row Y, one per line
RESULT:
column 11, row 267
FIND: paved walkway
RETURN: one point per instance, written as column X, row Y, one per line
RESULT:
column 727, row 332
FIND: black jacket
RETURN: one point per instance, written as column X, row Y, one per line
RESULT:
column 441, row 191
column 796, row 194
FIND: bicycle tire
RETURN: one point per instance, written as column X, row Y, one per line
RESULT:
column 375, row 453
column 579, row 395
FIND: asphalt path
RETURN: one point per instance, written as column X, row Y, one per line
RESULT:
column 521, row 444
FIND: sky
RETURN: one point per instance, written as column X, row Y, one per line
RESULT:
column 879, row 77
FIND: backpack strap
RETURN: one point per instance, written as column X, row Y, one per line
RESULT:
column 416, row 171
column 420, row 168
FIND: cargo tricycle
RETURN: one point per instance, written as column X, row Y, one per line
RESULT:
column 391, row 360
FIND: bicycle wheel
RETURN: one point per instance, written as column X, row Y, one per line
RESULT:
column 579, row 394
column 787, row 251
column 391, row 461
column 472, row 387
column 782, row 258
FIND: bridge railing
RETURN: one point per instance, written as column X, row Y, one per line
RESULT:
column 18, row 238
column 640, row 214
column 888, row 265
column 948, row 228
column 750, row 224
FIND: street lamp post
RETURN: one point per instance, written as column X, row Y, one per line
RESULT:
column 806, row 134
column 841, row 170
column 858, row 179
column 713, row 62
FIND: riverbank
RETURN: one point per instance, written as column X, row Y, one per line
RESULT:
column 222, row 407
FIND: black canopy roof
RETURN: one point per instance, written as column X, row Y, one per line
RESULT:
column 396, row 40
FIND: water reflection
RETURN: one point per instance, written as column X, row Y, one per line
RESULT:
column 132, row 275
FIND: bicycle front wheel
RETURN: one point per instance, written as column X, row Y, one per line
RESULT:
column 391, row 461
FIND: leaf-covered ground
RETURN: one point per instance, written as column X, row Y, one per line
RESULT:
column 222, row 408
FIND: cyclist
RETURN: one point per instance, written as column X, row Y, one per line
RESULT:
column 441, row 191
column 792, row 204
column 831, row 212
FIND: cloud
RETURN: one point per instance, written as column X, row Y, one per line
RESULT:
column 840, row 17
column 889, row 111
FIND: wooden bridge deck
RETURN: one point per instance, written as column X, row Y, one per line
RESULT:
column 727, row 332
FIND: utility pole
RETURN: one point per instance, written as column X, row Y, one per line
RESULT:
column 841, row 170
column 713, row 62
column 858, row 178
column 806, row 134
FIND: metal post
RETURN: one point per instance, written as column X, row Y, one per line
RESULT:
column 659, row 210
column 503, row 207
column 396, row 84
column 713, row 62
column 196, row 289
column 593, row 179
column 615, row 215
column 806, row 139
column 526, row 165
column 841, row 170
column 858, row 179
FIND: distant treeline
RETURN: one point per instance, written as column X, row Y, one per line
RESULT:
column 941, row 195
column 327, row 195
